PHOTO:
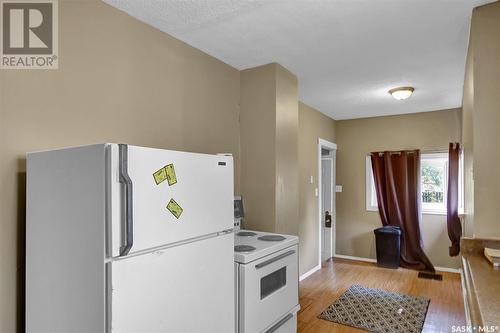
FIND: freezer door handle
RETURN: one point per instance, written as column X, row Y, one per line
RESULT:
column 270, row 261
column 279, row 323
column 127, row 182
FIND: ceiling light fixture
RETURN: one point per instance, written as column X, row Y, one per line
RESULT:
column 401, row 93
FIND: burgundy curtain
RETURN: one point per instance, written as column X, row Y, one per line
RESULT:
column 397, row 183
column 453, row 222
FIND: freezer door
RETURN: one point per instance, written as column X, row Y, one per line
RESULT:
column 187, row 288
column 195, row 199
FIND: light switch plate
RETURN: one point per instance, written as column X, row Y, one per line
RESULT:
column 338, row 188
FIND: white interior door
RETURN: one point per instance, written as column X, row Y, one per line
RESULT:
column 327, row 205
column 202, row 196
column 187, row 288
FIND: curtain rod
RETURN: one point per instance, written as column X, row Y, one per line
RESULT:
column 422, row 151
column 430, row 151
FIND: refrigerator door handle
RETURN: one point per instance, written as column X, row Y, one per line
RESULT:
column 127, row 182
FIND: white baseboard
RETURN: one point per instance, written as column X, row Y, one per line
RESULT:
column 341, row 256
column 439, row 269
column 447, row 269
column 306, row 274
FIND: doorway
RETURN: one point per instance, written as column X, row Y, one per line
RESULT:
column 326, row 199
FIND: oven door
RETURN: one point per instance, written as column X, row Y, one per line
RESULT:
column 268, row 289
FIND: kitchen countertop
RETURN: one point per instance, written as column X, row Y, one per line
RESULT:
column 481, row 282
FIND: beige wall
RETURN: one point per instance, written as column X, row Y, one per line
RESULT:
column 312, row 125
column 357, row 138
column 258, row 161
column 119, row 81
column 269, row 136
column 287, row 152
column 482, row 118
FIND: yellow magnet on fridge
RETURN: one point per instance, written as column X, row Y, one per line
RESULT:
column 174, row 208
column 160, row 176
column 171, row 176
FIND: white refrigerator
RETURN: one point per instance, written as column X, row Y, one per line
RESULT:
column 122, row 238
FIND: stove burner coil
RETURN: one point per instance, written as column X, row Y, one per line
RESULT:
column 246, row 233
column 244, row 248
column 271, row 238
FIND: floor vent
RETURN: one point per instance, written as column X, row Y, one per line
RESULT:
column 430, row 276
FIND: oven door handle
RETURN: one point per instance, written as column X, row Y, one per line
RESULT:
column 279, row 323
column 270, row 261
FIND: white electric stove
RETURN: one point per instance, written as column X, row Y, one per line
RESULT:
column 266, row 270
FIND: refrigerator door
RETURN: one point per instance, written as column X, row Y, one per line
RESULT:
column 186, row 288
column 175, row 196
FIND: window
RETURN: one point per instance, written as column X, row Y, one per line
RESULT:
column 434, row 184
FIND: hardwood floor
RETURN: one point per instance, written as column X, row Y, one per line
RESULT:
column 323, row 287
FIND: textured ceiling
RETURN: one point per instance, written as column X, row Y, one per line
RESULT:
column 346, row 53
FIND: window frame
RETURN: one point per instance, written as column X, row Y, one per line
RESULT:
column 371, row 206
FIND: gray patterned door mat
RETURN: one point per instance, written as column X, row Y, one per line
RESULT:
column 377, row 310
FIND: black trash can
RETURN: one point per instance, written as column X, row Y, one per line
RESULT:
column 388, row 239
